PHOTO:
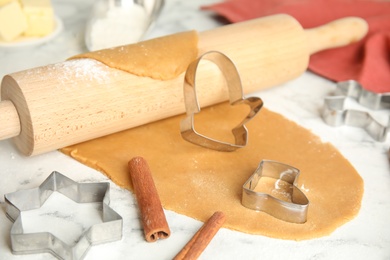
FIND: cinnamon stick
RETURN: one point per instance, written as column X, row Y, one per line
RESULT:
column 194, row 248
column 152, row 214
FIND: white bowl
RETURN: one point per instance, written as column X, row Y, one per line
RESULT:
column 114, row 23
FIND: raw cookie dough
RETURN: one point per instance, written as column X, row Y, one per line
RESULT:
column 161, row 58
column 196, row 181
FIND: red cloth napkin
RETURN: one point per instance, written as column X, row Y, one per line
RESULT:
column 367, row 61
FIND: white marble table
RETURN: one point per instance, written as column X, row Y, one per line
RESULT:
column 365, row 237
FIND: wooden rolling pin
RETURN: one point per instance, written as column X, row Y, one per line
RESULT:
column 54, row 106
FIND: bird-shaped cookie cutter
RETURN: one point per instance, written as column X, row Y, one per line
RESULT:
column 28, row 243
column 236, row 96
column 294, row 211
column 335, row 114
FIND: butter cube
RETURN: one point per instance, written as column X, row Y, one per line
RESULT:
column 12, row 21
column 3, row 2
column 40, row 17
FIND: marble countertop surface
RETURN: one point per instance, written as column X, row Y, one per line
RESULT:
column 365, row 237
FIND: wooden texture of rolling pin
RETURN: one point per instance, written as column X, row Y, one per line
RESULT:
column 54, row 106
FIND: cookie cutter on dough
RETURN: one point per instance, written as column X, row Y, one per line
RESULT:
column 334, row 112
column 27, row 243
column 294, row 211
column 233, row 81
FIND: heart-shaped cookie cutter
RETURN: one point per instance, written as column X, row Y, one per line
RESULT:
column 236, row 96
column 294, row 211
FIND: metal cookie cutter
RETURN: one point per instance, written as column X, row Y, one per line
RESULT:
column 372, row 100
column 294, row 211
column 27, row 243
column 335, row 114
column 232, row 77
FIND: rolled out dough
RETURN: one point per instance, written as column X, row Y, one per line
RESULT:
column 196, row 182
column 161, row 58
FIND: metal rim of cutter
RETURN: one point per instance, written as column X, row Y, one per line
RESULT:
column 335, row 114
column 30, row 243
column 294, row 211
column 369, row 99
column 233, row 81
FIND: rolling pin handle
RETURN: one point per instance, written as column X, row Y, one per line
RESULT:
column 337, row 33
column 9, row 120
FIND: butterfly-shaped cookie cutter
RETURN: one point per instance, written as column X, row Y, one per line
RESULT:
column 30, row 243
column 335, row 114
column 233, row 81
column 294, row 211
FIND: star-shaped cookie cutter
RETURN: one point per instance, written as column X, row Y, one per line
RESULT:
column 334, row 112
column 28, row 243
column 369, row 99
column 233, row 81
column 294, row 211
